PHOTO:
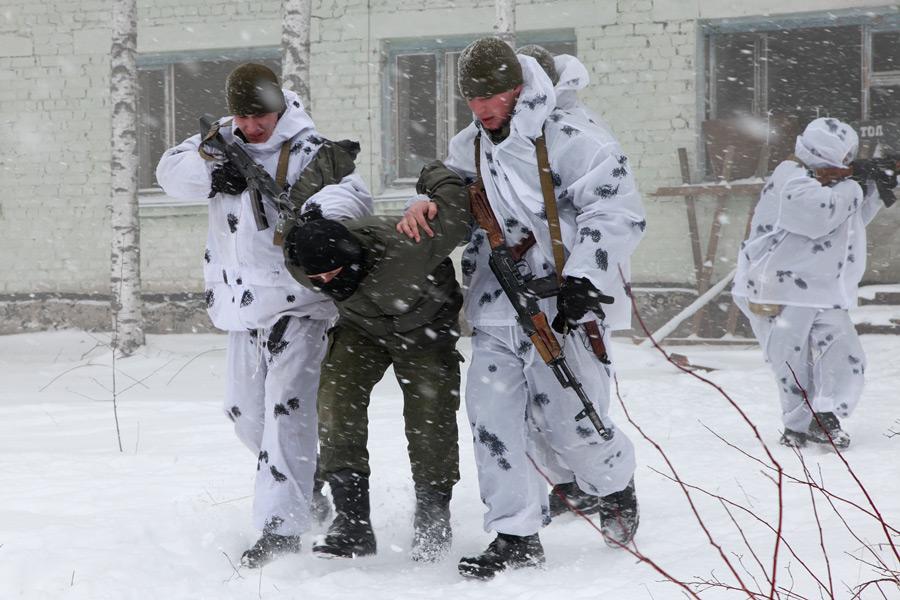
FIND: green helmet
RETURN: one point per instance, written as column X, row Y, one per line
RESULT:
column 544, row 58
column 253, row 89
column 488, row 66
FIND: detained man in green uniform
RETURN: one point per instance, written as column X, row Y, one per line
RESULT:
column 399, row 304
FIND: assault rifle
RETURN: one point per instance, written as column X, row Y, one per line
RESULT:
column 889, row 165
column 524, row 294
column 259, row 182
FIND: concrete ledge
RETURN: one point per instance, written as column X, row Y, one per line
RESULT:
column 163, row 313
column 186, row 312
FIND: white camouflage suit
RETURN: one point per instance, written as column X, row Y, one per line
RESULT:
column 515, row 404
column 276, row 327
column 807, row 253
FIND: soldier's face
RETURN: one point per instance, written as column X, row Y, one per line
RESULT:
column 494, row 111
column 257, row 128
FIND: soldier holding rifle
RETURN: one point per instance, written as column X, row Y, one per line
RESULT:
column 554, row 196
column 798, row 275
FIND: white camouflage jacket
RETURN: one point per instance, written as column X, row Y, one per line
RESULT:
column 601, row 215
column 247, row 283
column 807, row 246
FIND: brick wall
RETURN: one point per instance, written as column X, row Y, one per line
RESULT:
column 642, row 56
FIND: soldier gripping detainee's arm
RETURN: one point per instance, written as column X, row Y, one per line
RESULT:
column 517, row 407
column 798, row 275
column 276, row 327
column 399, row 304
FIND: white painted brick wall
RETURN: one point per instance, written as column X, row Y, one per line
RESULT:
column 641, row 54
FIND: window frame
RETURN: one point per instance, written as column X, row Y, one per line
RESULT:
column 166, row 63
column 442, row 48
column 870, row 21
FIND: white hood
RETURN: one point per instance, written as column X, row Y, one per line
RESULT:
column 573, row 76
column 827, row 142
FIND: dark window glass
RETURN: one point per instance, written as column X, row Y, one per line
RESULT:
column 734, row 74
column 815, row 72
column 886, row 51
column 416, row 112
column 151, row 124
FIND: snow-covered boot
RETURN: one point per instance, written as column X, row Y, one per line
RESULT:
column 792, row 439
column 505, row 552
column 350, row 534
column 433, row 535
column 268, row 547
column 825, row 428
column 585, row 503
column 619, row 516
column 319, row 506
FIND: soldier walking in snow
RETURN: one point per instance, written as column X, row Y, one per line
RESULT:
column 276, row 328
column 399, row 305
column 517, row 408
column 568, row 75
column 798, row 275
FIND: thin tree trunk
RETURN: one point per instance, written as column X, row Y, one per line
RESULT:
column 505, row 23
column 295, row 47
column 125, row 272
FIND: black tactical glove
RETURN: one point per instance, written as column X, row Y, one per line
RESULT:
column 577, row 296
column 884, row 174
column 227, row 179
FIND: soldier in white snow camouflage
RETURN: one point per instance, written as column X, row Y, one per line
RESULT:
column 516, row 406
column 276, row 327
column 798, row 275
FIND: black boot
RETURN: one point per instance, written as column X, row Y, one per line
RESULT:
column 319, row 506
column 433, row 536
column 350, row 534
column 585, row 503
column 505, row 552
column 828, row 431
column 619, row 516
column 792, row 439
column 269, row 547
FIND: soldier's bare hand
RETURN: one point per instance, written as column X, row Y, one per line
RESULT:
column 417, row 215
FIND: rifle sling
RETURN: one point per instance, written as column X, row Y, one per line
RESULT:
column 591, row 328
column 487, row 220
column 485, row 216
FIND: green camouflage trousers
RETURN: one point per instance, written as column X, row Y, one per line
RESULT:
column 429, row 379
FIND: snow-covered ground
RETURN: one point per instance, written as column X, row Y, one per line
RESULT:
column 167, row 517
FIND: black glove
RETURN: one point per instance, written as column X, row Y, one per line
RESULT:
column 227, row 179
column 577, row 296
column 884, row 174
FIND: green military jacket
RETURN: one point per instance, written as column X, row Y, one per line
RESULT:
column 410, row 295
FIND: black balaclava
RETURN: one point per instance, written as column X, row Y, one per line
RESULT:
column 323, row 245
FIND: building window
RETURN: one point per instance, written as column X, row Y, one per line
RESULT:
column 174, row 90
column 767, row 80
column 802, row 73
column 424, row 108
column 883, row 50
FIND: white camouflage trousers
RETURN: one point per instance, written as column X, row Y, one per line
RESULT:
column 823, row 349
column 272, row 381
column 517, row 408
